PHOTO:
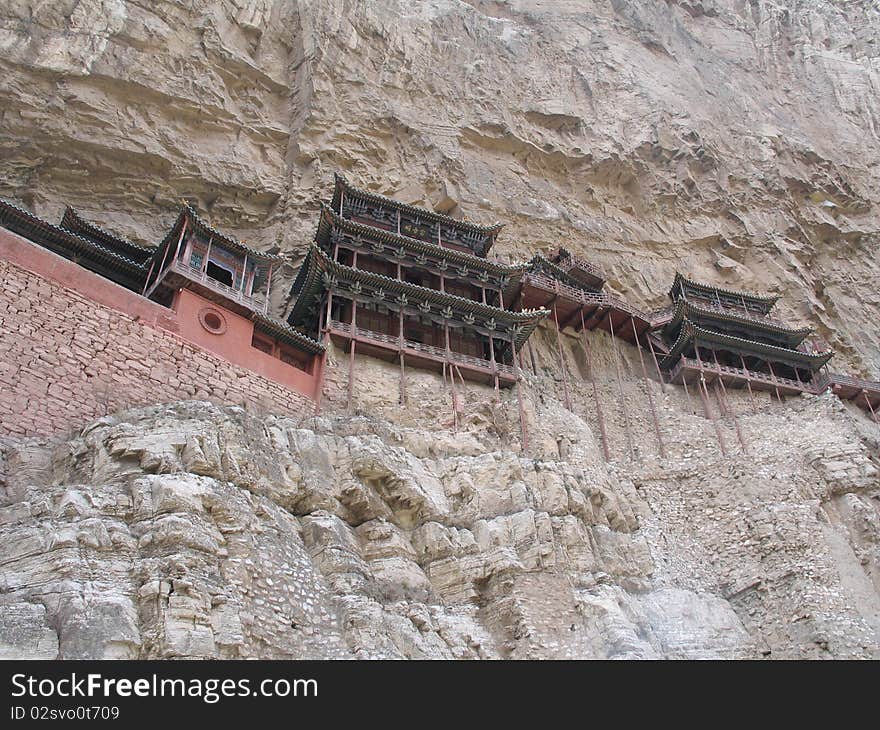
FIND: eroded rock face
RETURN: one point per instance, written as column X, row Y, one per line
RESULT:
column 195, row 531
column 735, row 140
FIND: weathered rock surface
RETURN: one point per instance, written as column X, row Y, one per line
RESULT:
column 734, row 140
column 194, row 531
column 737, row 140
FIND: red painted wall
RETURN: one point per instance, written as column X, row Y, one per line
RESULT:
column 75, row 346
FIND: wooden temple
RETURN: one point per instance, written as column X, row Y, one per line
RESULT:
column 194, row 265
column 715, row 333
column 411, row 286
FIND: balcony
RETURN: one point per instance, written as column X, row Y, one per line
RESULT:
column 580, row 270
column 422, row 351
column 688, row 370
column 208, row 287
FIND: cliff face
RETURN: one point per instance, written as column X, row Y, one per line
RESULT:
column 737, row 141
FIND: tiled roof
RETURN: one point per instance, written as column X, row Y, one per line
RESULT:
column 75, row 223
column 342, row 184
column 689, row 331
column 311, row 280
column 686, row 310
column 200, row 226
column 330, row 219
column 116, row 266
column 283, row 331
column 766, row 301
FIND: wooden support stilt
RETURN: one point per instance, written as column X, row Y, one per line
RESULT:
column 629, row 440
column 599, row 416
column 749, row 384
column 870, row 407
column 704, row 394
column 402, row 362
column 722, row 394
column 648, row 391
column 687, row 392
column 517, row 366
column 532, row 358
column 657, row 365
column 775, row 387
column 561, row 359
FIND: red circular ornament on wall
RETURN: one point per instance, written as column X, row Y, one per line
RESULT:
column 212, row 320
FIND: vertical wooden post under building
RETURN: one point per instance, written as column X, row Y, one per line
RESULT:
column 524, row 435
column 749, row 383
column 648, row 390
column 447, row 363
column 704, row 394
column 775, row 381
column 870, row 407
column 561, row 360
column 599, row 416
column 687, row 392
column 629, row 440
column 727, row 407
column 351, row 348
column 656, row 364
column 268, row 290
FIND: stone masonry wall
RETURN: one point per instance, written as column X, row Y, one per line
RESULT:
column 66, row 359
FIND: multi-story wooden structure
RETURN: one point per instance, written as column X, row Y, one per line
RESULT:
column 412, row 286
column 715, row 333
column 218, row 287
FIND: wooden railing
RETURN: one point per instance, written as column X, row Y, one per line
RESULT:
column 258, row 304
column 568, row 263
column 756, row 376
column 458, row 358
column 585, row 298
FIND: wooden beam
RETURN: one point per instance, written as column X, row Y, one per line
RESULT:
column 599, row 416
column 561, row 359
column 648, row 391
column 629, row 440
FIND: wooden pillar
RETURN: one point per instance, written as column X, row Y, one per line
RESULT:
column 341, row 198
column 773, row 375
column 629, row 440
column 351, row 349
column 704, row 394
column 687, row 392
column 524, row 435
column 727, row 407
column 561, row 359
column 319, row 392
column 656, row 363
column 268, row 290
column 207, row 254
column 648, row 390
column 599, row 415
column 398, row 221
column 402, row 362
column 451, row 379
column 870, row 407
column 243, row 276
column 749, row 383
column 492, row 359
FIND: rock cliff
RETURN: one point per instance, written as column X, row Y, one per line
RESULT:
column 736, row 140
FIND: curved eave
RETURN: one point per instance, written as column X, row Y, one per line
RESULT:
column 310, row 281
column 341, row 184
column 766, row 301
column 689, row 331
column 282, row 331
column 685, row 310
column 75, row 223
column 199, row 225
column 61, row 241
column 330, row 219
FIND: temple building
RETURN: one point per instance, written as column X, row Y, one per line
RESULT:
column 412, row 286
column 715, row 333
column 217, row 287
